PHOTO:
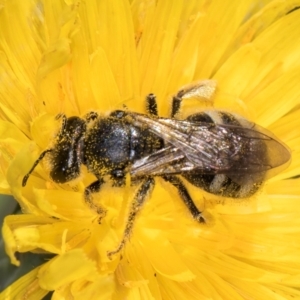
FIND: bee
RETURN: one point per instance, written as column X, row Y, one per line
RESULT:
column 217, row 151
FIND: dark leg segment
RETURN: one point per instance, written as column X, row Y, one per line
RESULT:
column 176, row 104
column 202, row 90
column 138, row 201
column 151, row 105
column 94, row 188
column 185, row 196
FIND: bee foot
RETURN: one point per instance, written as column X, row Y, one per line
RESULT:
column 200, row 219
column 110, row 254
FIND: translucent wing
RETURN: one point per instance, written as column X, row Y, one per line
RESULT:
column 209, row 148
column 169, row 160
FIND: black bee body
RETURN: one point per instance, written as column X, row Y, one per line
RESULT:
column 219, row 152
column 112, row 144
column 229, row 184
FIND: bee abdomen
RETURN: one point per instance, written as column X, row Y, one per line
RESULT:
column 225, row 185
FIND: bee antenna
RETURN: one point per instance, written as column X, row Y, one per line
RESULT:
column 25, row 178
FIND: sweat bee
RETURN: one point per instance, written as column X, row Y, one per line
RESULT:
column 217, row 151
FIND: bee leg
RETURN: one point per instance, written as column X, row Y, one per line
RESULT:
column 94, row 188
column 203, row 90
column 176, row 104
column 138, row 201
column 151, row 105
column 185, row 196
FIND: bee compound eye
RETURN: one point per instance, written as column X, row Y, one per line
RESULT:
column 58, row 175
column 61, row 174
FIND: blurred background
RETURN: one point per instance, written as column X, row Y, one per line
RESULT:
column 8, row 272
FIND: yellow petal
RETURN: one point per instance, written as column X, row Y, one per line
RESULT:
column 115, row 36
column 184, row 62
column 260, row 21
column 26, row 287
column 279, row 52
column 163, row 260
column 103, row 84
column 11, row 140
column 64, row 205
column 55, row 57
column 136, row 260
column 284, row 291
column 220, row 21
column 23, row 224
column 234, row 75
column 282, row 127
column 255, row 291
column 82, row 290
column 65, row 269
column 15, row 173
column 43, row 130
column 157, row 43
column 277, row 99
column 286, row 188
column 130, row 278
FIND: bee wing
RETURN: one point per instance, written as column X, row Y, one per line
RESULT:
column 262, row 152
column 169, row 160
column 209, row 148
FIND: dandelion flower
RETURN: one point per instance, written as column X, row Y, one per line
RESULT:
column 73, row 57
